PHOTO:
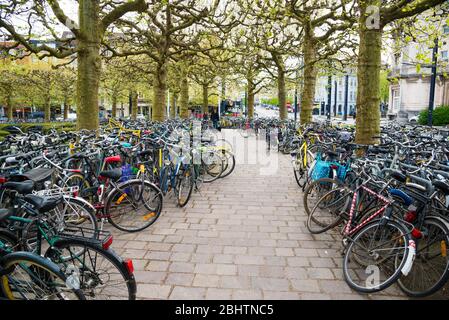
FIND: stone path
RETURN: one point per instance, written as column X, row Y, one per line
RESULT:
column 243, row 237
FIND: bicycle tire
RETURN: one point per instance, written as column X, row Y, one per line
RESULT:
column 230, row 166
column 309, row 191
column 390, row 279
column 41, row 268
column 148, row 217
column 90, row 275
column 422, row 268
column 186, row 175
column 337, row 206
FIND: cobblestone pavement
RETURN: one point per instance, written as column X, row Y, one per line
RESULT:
column 243, row 237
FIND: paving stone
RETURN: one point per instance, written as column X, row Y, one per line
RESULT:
column 202, row 280
column 180, row 256
column 188, row 293
column 158, row 255
column 249, row 259
column 157, row 265
column 235, row 282
column 273, row 284
column 218, row 294
column 280, row 295
column 247, row 294
column 183, row 267
column 180, row 279
column 155, row 277
column 242, row 237
column 223, row 258
column 305, row 285
column 320, row 273
column 153, row 291
column 235, row 250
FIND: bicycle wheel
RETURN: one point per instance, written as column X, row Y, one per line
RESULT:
column 230, row 163
column 76, row 180
column 211, row 166
column 328, row 211
column 134, row 205
column 224, row 144
column 75, row 212
column 315, row 190
column 32, row 277
column 102, row 274
column 430, row 270
column 184, row 185
column 299, row 170
column 381, row 250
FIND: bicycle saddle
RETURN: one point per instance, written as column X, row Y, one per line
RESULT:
column 42, row 204
column 442, row 186
column 398, row 176
column 24, row 187
column 332, row 154
column 114, row 174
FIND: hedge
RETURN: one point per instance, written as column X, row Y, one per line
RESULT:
column 440, row 116
column 46, row 126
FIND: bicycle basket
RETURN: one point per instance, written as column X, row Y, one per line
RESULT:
column 126, row 173
column 341, row 172
column 320, row 170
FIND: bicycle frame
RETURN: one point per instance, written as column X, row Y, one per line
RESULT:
column 348, row 231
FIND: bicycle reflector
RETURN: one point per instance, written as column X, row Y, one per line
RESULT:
column 443, row 248
column 108, row 242
column 2, row 180
column 410, row 216
column 129, row 266
column 416, row 233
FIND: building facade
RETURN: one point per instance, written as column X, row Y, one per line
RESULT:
column 410, row 79
column 338, row 91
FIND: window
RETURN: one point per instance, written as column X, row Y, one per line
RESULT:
column 396, row 99
column 340, row 82
column 446, row 29
column 339, row 95
column 444, row 55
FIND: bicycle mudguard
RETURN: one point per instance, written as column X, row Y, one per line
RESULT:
column 32, row 257
column 401, row 194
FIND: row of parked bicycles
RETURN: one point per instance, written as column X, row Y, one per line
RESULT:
column 62, row 194
column 389, row 202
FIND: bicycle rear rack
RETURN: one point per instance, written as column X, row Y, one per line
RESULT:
column 56, row 192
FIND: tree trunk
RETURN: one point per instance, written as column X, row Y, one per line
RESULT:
column 66, row 108
column 251, row 95
column 89, row 65
column 368, row 77
column 114, row 105
column 173, row 104
column 310, row 73
column 134, row 105
column 159, row 93
column 10, row 107
column 184, row 100
column 47, row 109
column 281, row 94
column 205, row 107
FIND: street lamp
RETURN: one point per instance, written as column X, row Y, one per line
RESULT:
column 433, row 78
